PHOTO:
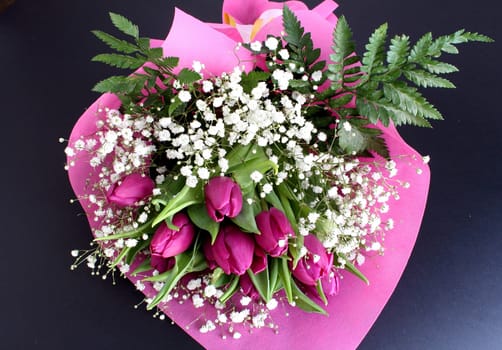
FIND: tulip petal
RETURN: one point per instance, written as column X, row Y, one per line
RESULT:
column 242, row 248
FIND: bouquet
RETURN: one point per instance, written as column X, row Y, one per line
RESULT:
column 248, row 178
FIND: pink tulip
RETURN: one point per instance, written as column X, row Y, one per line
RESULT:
column 223, row 198
column 331, row 283
column 161, row 264
column 259, row 260
column 167, row 243
column 233, row 250
column 248, row 287
column 274, row 231
column 132, row 189
column 315, row 265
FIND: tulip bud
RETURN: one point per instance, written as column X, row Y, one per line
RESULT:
column 161, row 264
column 315, row 265
column 248, row 287
column 223, row 198
column 233, row 250
column 167, row 243
column 130, row 190
column 274, row 231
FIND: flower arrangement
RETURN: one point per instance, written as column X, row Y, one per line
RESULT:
column 240, row 179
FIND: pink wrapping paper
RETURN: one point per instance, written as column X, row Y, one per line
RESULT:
column 353, row 311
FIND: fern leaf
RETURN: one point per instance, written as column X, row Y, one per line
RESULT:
column 342, row 56
column 168, row 63
column 426, row 79
column 375, row 50
column 382, row 110
column 409, row 99
column 115, row 43
column 420, row 50
column 124, row 25
column 188, row 76
column 114, row 84
column 119, row 61
column 438, row 67
column 292, row 27
column 398, row 51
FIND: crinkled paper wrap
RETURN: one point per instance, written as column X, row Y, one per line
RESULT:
column 353, row 311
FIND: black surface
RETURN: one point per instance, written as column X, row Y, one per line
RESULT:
column 450, row 294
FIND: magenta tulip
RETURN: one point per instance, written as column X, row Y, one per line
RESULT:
column 233, row 250
column 331, row 283
column 130, row 190
column 223, row 198
column 248, row 287
column 161, row 264
column 315, row 265
column 274, row 231
column 167, row 243
column 259, row 260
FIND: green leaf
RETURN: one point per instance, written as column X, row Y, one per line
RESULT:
column 274, row 200
column 242, row 173
column 199, row 216
column 246, row 219
column 119, row 61
column 438, row 67
column 135, row 250
column 320, row 291
column 186, row 197
column 377, row 109
column 124, row 25
column 397, row 55
column 241, row 154
column 285, row 276
column 426, row 79
column 410, row 100
column 250, row 80
column 342, row 56
column 374, row 56
column 114, row 84
column 169, row 63
column 304, row 302
column 115, row 43
column 187, row 262
column 273, row 271
column 261, row 283
column 351, row 140
column 420, row 50
column 354, row 270
column 188, row 77
column 219, row 278
column 143, row 267
column 119, row 257
column 231, row 289
column 292, row 27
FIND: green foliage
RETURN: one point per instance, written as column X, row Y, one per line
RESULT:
column 300, row 44
column 373, row 58
column 387, row 90
column 124, row 25
column 115, row 43
column 144, row 83
column 343, row 69
column 119, row 61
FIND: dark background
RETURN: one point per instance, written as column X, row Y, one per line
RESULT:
column 450, row 294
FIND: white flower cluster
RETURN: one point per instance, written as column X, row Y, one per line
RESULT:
column 227, row 116
column 238, row 313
